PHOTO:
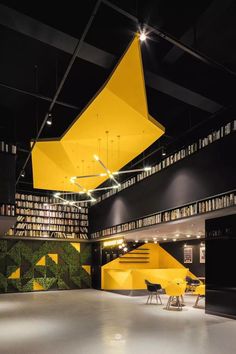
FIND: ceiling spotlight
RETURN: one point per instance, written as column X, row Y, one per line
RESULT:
column 154, row 238
column 96, row 157
column 185, row 245
column 164, row 238
column 72, row 179
column 155, row 241
column 188, row 236
column 163, row 152
column 174, row 239
column 22, row 174
column 146, row 241
column 136, row 240
column 177, row 235
column 49, row 119
column 142, row 36
column 198, row 236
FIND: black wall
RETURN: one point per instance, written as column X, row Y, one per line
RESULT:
column 176, row 249
column 7, row 178
column 210, row 171
column 220, row 266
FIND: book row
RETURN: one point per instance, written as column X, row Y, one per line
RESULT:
column 41, row 199
column 33, row 233
column 8, row 148
column 50, row 214
column 175, row 157
column 51, row 221
column 50, row 227
column 219, row 202
column 7, row 210
column 50, row 207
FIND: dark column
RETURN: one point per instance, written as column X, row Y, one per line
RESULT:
column 221, row 266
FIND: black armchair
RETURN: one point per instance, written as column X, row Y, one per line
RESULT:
column 153, row 290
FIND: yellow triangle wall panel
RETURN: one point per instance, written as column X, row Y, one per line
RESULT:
column 87, row 268
column 76, row 245
column 37, row 286
column 41, row 262
column 15, row 274
column 117, row 114
column 54, row 257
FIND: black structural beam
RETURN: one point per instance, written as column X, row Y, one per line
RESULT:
column 181, row 93
column 196, row 54
column 30, row 27
column 201, row 27
column 36, row 95
column 72, row 60
column 57, row 39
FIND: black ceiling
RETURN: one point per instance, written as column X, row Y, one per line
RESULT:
column 37, row 43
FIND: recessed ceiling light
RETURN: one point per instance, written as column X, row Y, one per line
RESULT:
column 188, row 235
column 198, row 236
column 174, row 239
column 154, row 238
column 146, row 241
column 177, row 235
column 136, row 240
column 164, row 238
column 155, row 241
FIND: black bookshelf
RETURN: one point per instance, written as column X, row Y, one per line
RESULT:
column 199, row 207
column 42, row 216
column 220, row 266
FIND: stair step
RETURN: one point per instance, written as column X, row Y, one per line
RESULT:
column 134, row 257
column 133, row 262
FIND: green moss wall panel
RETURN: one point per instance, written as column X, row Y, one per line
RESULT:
column 27, row 265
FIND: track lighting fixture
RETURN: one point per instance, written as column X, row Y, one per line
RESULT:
column 142, row 36
column 163, row 152
column 49, row 119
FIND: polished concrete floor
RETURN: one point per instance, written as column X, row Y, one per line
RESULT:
column 95, row 322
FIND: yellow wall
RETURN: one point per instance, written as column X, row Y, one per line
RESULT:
column 159, row 267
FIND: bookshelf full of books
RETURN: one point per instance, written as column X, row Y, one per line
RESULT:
column 42, row 216
column 202, row 142
column 220, row 201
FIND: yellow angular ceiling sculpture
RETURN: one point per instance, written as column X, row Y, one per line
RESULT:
column 115, row 126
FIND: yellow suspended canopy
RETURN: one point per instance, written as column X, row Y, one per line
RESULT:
column 115, row 126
